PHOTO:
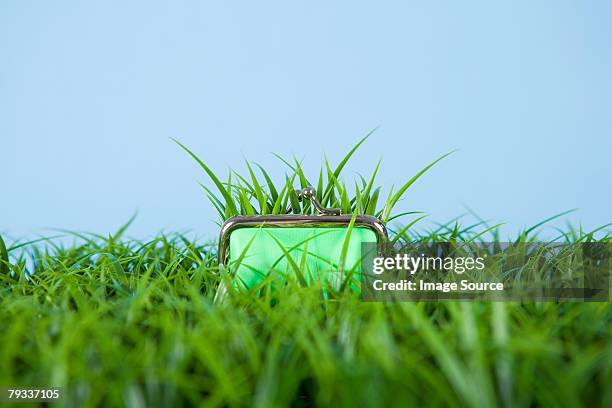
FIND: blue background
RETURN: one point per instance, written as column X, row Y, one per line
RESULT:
column 91, row 92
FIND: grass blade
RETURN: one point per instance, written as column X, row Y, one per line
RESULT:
column 391, row 203
column 343, row 162
column 226, row 195
column 4, row 259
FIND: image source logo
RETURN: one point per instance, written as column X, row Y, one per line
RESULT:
column 486, row 271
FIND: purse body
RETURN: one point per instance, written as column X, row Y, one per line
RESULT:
column 314, row 247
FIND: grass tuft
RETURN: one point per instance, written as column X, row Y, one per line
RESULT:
column 109, row 319
column 253, row 194
column 117, row 321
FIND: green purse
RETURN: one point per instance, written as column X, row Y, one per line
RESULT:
column 326, row 247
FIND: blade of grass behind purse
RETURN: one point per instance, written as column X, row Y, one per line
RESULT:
column 365, row 195
column 386, row 212
column 269, row 183
column 259, row 192
column 226, row 195
column 338, row 170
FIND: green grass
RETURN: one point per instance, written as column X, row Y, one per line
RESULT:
column 122, row 322
column 250, row 195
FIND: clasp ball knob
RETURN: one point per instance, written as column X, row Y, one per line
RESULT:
column 308, row 192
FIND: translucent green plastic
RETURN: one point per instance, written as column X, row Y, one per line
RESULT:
column 316, row 252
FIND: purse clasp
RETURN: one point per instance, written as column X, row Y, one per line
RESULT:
column 310, row 193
